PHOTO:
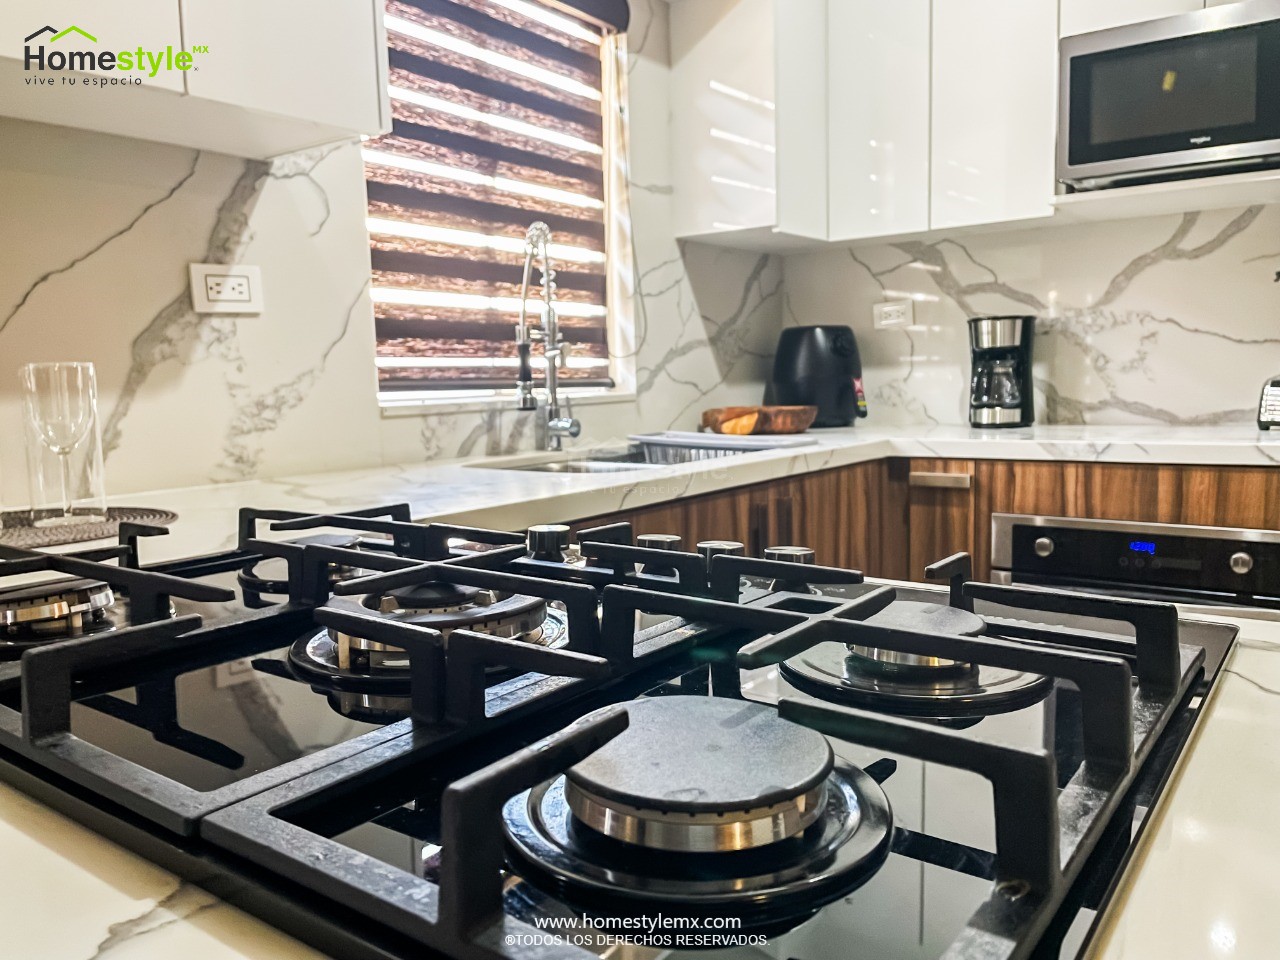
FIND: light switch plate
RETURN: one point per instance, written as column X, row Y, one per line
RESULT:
column 226, row 288
column 893, row 313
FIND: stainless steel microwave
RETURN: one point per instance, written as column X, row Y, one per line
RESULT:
column 1191, row 95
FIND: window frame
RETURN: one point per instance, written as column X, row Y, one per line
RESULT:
column 619, row 272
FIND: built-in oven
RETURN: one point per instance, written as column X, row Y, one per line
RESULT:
column 1190, row 95
column 1210, row 566
column 1230, row 571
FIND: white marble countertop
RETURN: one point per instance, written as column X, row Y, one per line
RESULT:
column 1204, row 881
column 67, row 893
column 1202, row 884
column 477, row 493
column 1178, row 899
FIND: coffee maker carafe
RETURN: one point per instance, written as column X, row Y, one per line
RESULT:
column 1001, row 393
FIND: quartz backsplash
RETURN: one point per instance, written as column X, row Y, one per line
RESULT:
column 1170, row 320
column 98, row 232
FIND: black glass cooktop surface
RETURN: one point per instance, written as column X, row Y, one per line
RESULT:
column 214, row 725
column 938, row 870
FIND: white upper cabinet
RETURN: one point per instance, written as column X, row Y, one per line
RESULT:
column 724, row 115
column 878, row 117
column 1085, row 16
column 317, row 63
column 242, row 77
column 96, row 28
column 797, row 121
column 993, row 111
column 748, row 117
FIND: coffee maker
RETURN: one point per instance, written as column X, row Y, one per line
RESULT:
column 1001, row 392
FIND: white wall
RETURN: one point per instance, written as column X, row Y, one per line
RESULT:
column 1163, row 320
column 96, row 233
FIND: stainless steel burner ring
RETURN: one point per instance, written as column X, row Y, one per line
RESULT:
column 60, row 610
column 697, row 832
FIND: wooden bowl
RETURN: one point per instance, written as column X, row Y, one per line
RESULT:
column 741, row 421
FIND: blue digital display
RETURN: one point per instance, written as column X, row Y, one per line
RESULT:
column 1143, row 546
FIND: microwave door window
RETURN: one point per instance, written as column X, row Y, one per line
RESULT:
column 1167, row 97
column 1171, row 90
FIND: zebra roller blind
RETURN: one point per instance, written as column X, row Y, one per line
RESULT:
column 499, row 118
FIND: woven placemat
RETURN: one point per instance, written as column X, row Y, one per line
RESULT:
column 16, row 529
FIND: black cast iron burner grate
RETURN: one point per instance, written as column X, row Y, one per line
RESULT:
column 449, row 689
column 1043, row 833
column 38, row 692
column 147, row 594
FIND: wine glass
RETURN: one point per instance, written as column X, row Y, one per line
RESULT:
column 60, row 403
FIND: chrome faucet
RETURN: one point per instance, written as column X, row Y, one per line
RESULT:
column 553, row 427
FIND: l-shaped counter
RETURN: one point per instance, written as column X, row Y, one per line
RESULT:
column 1202, row 882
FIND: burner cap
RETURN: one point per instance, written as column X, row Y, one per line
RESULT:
column 432, row 596
column 831, row 672
column 515, row 617
column 919, row 617
column 929, row 618
column 769, row 889
column 698, row 755
column 344, row 541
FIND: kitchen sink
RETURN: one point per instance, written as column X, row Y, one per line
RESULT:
column 584, row 466
column 598, row 462
column 654, row 450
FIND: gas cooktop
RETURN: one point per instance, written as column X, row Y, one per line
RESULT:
column 398, row 740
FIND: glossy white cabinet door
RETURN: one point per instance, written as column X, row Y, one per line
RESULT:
column 1084, row 16
column 994, row 108
column 878, row 117
column 801, row 87
column 724, row 115
column 150, row 24
column 316, row 62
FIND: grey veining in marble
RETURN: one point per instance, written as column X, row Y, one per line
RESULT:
column 176, row 325
column 1172, row 320
column 181, row 905
column 188, row 399
column 80, row 258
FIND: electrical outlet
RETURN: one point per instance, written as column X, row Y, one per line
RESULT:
column 226, row 288
column 893, row 313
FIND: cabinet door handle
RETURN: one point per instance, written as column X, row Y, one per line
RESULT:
column 946, row 481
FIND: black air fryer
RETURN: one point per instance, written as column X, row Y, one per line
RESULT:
column 819, row 367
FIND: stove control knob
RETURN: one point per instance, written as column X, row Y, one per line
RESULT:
column 1241, row 563
column 548, row 541
column 720, row 548
column 658, row 541
column 790, row 554
column 1044, row 547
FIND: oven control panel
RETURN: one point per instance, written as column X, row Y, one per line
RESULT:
column 1161, row 556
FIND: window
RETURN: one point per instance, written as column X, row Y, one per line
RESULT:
column 504, row 113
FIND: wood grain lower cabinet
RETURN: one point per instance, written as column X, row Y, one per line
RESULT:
column 891, row 518
column 1146, row 493
column 941, row 515
column 851, row 517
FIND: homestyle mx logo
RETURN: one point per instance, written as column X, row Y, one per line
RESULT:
column 119, row 66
